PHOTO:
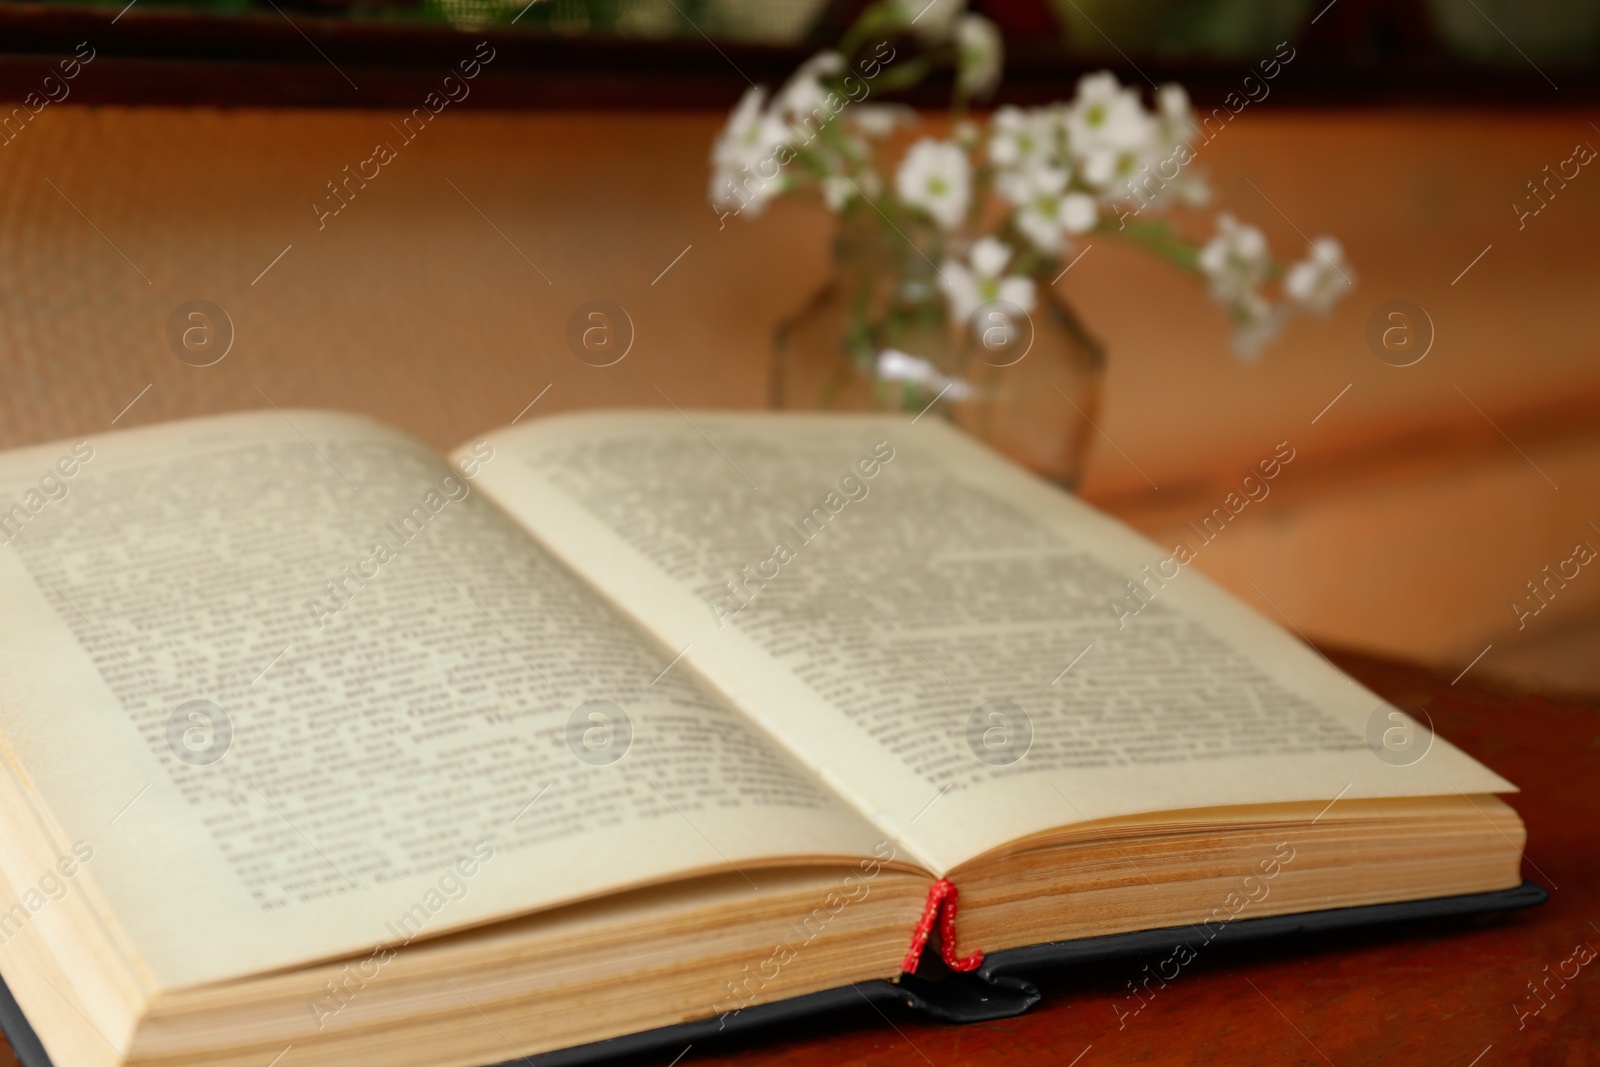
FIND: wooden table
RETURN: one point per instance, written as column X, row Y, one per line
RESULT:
column 1438, row 993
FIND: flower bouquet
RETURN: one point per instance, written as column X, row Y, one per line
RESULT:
column 950, row 243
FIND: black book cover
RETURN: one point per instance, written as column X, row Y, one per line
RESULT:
column 995, row 990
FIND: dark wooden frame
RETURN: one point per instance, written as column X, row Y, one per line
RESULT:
column 171, row 57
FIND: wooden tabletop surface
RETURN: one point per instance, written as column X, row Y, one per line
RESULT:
column 1444, row 993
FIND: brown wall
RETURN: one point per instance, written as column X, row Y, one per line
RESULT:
column 410, row 306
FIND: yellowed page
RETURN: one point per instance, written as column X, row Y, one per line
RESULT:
column 935, row 631
column 395, row 736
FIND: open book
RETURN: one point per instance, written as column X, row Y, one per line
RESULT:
column 316, row 738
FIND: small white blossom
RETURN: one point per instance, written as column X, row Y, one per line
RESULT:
column 1080, row 212
column 1123, row 173
column 745, row 159
column 1110, row 133
column 1022, row 138
column 936, row 177
column 980, row 54
column 930, row 20
column 1234, row 261
column 1104, row 114
column 1176, row 115
column 1046, row 212
column 1166, row 176
column 897, row 366
column 1317, row 282
column 981, row 279
column 1258, row 324
column 804, row 94
column 751, row 131
column 1018, row 185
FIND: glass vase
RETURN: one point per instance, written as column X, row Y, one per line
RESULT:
column 879, row 336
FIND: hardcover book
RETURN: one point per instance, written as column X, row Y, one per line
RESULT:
column 614, row 727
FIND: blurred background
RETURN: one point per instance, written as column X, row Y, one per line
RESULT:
column 184, row 159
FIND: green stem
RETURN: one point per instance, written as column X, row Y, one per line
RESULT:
column 879, row 14
column 1157, row 237
column 904, row 75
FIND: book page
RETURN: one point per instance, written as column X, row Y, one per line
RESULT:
column 949, row 641
column 302, row 690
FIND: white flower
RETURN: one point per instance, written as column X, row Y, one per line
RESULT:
column 1258, row 323
column 1162, row 173
column 1124, row 173
column 979, row 53
column 936, row 177
column 1079, row 213
column 931, row 20
column 897, row 366
column 804, row 94
column 1317, row 282
column 751, row 132
column 1109, row 132
column 1022, row 138
column 745, row 157
column 970, row 287
column 1046, row 212
column 1103, row 114
column 1234, row 261
column 1018, row 185
column 1176, row 116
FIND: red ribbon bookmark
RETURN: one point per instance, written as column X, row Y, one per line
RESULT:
column 941, row 905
